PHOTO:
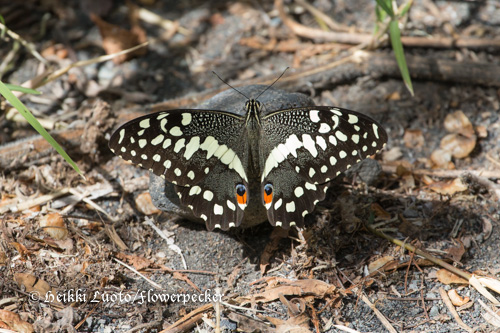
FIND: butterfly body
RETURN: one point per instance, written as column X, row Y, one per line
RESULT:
column 271, row 159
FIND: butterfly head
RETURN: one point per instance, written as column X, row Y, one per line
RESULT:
column 253, row 106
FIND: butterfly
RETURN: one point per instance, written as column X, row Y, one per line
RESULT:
column 221, row 162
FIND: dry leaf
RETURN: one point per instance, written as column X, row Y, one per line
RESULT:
column 441, row 158
column 407, row 181
column 413, row 138
column 298, row 324
column 492, row 320
column 116, row 39
column 458, row 145
column 375, row 265
column 14, row 322
column 456, row 299
column 457, row 122
column 23, row 251
column 250, row 324
column 447, row 277
column 427, row 180
column 32, row 283
column 449, row 187
column 53, row 224
column 456, row 252
column 392, row 154
column 138, row 262
column 145, row 204
column 380, row 212
column 395, row 96
column 3, row 258
column 482, row 131
column 307, row 287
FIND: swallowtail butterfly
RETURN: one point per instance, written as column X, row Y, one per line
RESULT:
column 215, row 157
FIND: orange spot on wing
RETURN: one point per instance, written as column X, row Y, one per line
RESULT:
column 268, row 198
column 242, row 199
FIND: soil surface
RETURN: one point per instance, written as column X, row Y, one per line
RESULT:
column 112, row 259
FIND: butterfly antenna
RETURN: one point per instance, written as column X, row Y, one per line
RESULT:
column 272, row 84
column 231, row 86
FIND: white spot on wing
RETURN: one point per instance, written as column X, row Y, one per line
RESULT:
column 299, row 191
column 320, row 141
column 175, row 131
column 143, row 143
column 311, row 172
column 324, row 128
column 159, row 139
column 122, row 135
column 144, row 123
column 179, row 145
column 208, row 195
column 341, row 136
column 231, row 205
column 167, row 143
column 336, row 111
column 314, row 115
column 278, row 204
column 335, row 121
column 195, row 190
column 218, row 209
column 191, row 175
column 162, row 115
column 375, row 130
column 290, row 207
column 192, row 146
column 310, row 186
column 228, row 157
column 309, row 144
column 292, row 144
column 353, row 119
column 186, row 119
column 163, row 122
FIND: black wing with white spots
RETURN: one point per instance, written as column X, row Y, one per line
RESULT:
column 191, row 149
column 303, row 149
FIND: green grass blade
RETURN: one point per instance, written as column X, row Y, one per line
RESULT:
column 386, row 5
column 16, row 103
column 24, row 90
column 397, row 47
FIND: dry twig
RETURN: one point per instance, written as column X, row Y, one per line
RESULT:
column 454, row 313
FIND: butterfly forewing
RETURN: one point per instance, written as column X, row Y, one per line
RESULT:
column 187, row 148
column 311, row 146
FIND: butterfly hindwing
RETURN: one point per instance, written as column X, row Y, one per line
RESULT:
column 303, row 149
column 214, row 200
column 293, row 197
